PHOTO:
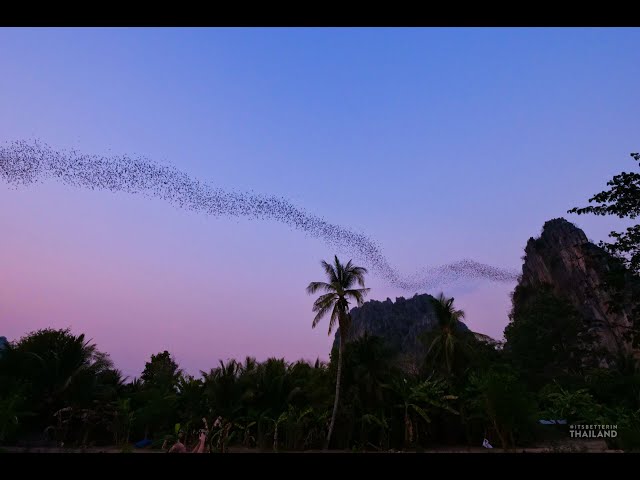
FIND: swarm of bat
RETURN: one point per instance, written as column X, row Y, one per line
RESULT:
column 23, row 163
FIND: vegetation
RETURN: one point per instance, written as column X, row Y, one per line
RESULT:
column 56, row 388
column 542, row 338
column 623, row 201
column 449, row 343
column 335, row 300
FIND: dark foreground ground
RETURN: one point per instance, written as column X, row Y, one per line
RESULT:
column 577, row 446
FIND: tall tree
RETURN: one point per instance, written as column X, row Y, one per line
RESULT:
column 499, row 397
column 58, row 368
column 338, row 290
column 623, row 201
column 450, row 338
column 543, row 337
column 158, row 393
column 161, row 372
column 50, row 371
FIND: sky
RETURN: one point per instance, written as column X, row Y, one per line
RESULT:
column 439, row 143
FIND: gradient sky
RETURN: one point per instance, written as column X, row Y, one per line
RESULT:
column 440, row 144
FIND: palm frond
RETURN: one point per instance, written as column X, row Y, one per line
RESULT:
column 337, row 288
column 420, row 412
column 315, row 286
column 435, row 344
column 357, row 294
column 358, row 274
column 372, row 419
column 321, row 312
column 335, row 316
column 322, row 300
column 329, row 270
column 339, row 269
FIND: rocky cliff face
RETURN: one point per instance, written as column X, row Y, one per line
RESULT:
column 597, row 286
column 399, row 323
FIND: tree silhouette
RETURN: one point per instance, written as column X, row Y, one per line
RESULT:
column 335, row 300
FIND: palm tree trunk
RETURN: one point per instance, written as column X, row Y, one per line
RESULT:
column 335, row 402
column 503, row 439
column 275, row 439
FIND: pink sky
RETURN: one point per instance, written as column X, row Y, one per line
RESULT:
column 440, row 144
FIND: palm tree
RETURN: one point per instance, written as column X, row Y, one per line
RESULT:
column 450, row 336
column 123, row 417
column 419, row 397
column 222, row 388
column 335, row 299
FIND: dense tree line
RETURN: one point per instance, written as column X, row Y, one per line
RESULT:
column 56, row 387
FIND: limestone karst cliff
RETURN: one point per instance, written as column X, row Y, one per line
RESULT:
column 399, row 323
column 605, row 295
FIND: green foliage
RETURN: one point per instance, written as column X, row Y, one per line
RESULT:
column 123, row 417
column 156, row 396
column 615, row 387
column 575, row 406
column 246, row 427
column 190, row 402
column 623, row 201
column 469, row 389
column 417, row 399
column 161, row 372
column 367, row 369
column 627, row 422
column 501, row 399
column 450, row 344
column 542, row 336
column 10, row 415
column 51, row 370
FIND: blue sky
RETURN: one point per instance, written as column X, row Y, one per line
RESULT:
column 439, row 143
